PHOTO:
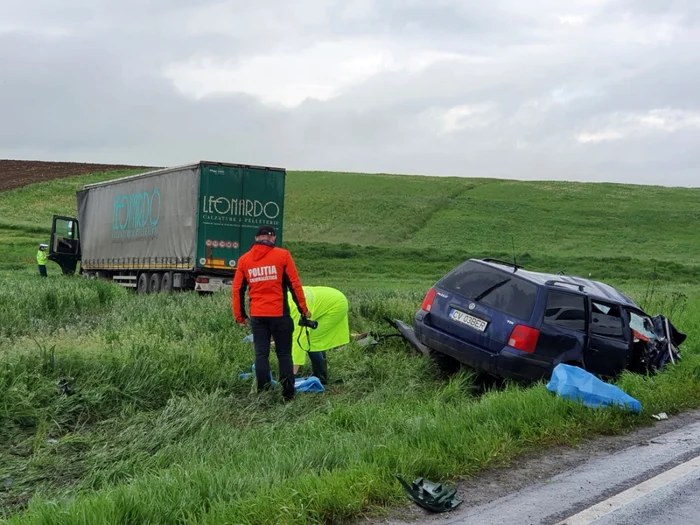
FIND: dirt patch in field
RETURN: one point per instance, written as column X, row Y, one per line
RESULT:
column 18, row 173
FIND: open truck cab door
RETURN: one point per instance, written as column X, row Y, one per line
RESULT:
column 64, row 248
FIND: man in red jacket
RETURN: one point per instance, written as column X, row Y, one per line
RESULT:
column 268, row 273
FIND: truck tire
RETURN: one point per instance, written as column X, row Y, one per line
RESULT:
column 155, row 282
column 144, row 283
column 167, row 284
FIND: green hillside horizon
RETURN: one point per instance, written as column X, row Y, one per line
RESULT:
column 165, row 425
column 341, row 221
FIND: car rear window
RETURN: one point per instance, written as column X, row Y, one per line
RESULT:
column 515, row 297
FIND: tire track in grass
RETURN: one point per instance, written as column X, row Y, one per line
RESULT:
column 449, row 202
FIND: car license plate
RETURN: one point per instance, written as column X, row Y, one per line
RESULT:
column 469, row 320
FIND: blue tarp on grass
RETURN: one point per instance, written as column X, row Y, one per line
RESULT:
column 572, row 382
column 301, row 384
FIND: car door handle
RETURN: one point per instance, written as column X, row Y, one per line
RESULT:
column 594, row 350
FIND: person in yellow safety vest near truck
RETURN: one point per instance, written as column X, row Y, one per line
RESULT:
column 330, row 310
column 41, row 259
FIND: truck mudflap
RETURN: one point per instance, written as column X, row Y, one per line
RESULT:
column 408, row 335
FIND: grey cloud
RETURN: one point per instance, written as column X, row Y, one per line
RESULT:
column 98, row 94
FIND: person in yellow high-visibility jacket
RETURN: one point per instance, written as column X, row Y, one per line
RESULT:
column 41, row 259
column 330, row 310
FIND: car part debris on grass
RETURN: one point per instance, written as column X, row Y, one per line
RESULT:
column 661, row 417
column 431, row 496
column 65, row 386
column 572, row 382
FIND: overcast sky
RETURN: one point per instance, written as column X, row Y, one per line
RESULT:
column 528, row 89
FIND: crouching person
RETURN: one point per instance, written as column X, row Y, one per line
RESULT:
column 330, row 311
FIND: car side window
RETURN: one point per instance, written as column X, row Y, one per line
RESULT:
column 566, row 310
column 606, row 320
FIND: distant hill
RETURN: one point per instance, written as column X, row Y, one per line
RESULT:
column 411, row 225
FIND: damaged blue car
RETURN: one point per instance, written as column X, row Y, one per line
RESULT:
column 511, row 323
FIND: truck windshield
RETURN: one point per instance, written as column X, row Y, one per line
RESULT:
column 492, row 288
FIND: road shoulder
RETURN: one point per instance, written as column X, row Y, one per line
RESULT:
column 538, row 467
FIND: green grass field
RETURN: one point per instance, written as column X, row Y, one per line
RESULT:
column 161, row 429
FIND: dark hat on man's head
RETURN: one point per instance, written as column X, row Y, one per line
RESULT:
column 265, row 230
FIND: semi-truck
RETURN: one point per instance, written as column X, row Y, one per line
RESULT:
column 179, row 228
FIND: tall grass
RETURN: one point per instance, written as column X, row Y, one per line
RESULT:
column 160, row 429
column 30, row 306
column 120, row 408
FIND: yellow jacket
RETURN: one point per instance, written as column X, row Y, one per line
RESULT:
column 41, row 258
column 329, row 307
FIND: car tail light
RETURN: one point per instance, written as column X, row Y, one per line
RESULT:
column 428, row 301
column 524, row 338
column 203, row 280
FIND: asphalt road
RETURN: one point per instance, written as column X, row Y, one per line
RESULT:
column 675, row 503
column 653, row 481
column 637, row 485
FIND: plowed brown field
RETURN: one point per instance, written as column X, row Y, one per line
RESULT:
column 17, row 173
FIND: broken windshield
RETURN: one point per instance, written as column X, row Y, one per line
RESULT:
column 642, row 325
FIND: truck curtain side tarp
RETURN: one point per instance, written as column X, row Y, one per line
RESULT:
column 147, row 222
column 202, row 216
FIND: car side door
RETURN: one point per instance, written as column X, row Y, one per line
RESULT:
column 563, row 334
column 609, row 349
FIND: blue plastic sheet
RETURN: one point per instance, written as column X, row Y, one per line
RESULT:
column 572, row 382
column 301, row 384
column 249, row 374
column 308, row 384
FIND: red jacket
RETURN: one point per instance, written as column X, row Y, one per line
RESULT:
column 268, row 273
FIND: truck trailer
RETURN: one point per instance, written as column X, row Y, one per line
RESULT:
column 180, row 228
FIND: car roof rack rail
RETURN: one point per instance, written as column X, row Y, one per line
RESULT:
column 553, row 282
column 504, row 263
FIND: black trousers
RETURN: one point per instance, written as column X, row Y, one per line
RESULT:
column 281, row 329
column 319, row 366
column 42, row 270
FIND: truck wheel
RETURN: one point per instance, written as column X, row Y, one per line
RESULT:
column 167, row 284
column 156, row 280
column 144, row 282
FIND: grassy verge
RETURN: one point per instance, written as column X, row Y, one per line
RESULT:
column 161, row 429
column 158, row 427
